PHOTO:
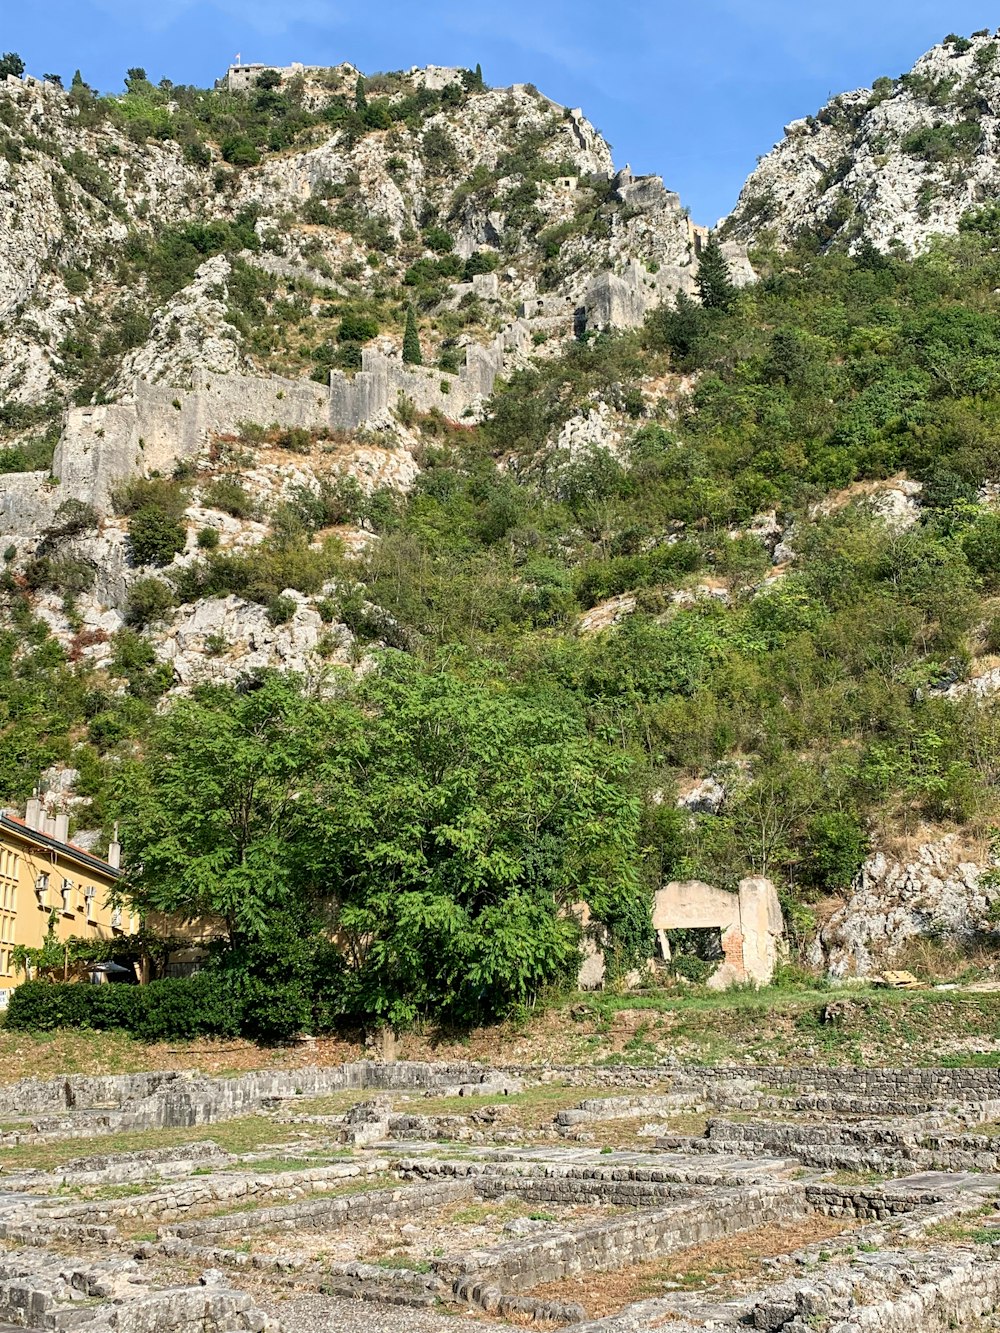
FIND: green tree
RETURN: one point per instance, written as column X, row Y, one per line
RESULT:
column 209, row 816
column 715, row 284
column 460, row 820
column 11, row 63
column 360, row 94
column 412, row 355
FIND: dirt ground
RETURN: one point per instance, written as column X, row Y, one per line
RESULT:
column 725, row 1264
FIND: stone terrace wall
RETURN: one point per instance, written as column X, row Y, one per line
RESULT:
column 521, row 1265
column 383, row 380
column 326, row 1214
column 160, row 1096
column 163, row 1099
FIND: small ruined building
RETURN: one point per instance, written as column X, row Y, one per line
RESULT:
column 748, row 922
column 46, row 882
column 744, row 931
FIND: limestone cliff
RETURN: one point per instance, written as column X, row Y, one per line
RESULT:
column 168, row 288
column 894, row 164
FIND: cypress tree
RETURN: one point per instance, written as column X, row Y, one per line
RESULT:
column 479, row 75
column 360, row 96
column 715, row 285
column 412, row 355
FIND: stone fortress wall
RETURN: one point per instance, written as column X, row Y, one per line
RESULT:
column 103, row 445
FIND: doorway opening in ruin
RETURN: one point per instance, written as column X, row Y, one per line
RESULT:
column 695, row 952
column 704, row 942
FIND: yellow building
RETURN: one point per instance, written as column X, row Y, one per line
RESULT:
column 41, row 873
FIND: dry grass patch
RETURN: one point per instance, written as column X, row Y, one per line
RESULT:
column 717, row 1264
column 246, row 1134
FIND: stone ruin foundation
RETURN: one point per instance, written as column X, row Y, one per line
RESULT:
column 615, row 1199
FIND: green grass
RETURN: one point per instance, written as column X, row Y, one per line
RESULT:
column 401, row 1261
column 247, row 1134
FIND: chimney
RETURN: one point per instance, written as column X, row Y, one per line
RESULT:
column 61, row 833
column 48, row 825
column 115, row 850
column 33, row 813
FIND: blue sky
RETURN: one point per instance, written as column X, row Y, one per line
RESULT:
column 694, row 91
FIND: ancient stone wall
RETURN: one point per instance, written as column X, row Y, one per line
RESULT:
column 383, row 380
column 521, row 1265
column 324, row 1214
column 106, row 444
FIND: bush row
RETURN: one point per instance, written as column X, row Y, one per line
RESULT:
column 164, row 1010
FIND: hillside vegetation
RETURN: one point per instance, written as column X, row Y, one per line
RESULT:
column 778, row 564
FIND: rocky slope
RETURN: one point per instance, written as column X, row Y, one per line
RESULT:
column 206, row 417
column 131, row 259
column 894, row 164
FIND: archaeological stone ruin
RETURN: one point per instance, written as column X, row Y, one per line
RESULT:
column 616, row 1199
column 749, row 922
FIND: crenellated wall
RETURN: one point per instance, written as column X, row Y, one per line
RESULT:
column 160, row 426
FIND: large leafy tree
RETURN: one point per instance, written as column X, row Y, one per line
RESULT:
column 437, row 826
column 460, row 822
column 209, row 816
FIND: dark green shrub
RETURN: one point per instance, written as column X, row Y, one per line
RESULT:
column 357, row 328
column 184, row 1007
column 438, row 240
column 982, row 547
column 280, row 610
column 229, row 495
column 239, row 151
column 178, row 1008
column 480, row 261
column 691, row 968
column 149, row 599
column 836, row 846
column 155, row 536
column 135, row 659
column 943, row 143
column 208, row 539
column 40, row 1006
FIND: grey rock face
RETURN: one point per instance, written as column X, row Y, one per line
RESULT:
column 866, row 166
column 935, row 892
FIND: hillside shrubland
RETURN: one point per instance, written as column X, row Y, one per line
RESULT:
column 556, row 642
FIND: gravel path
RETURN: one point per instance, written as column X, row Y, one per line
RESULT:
column 327, row 1314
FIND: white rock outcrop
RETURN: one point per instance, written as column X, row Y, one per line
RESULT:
column 936, row 891
column 894, row 164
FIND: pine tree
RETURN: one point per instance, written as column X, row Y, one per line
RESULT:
column 412, row 355
column 11, row 63
column 715, row 285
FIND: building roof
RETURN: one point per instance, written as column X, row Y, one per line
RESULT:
column 24, row 830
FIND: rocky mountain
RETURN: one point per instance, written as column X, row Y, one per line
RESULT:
column 177, row 266
column 894, row 164
column 312, row 364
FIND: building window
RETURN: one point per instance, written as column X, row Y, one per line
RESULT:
column 67, row 896
column 116, row 918
column 42, row 889
column 89, row 899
